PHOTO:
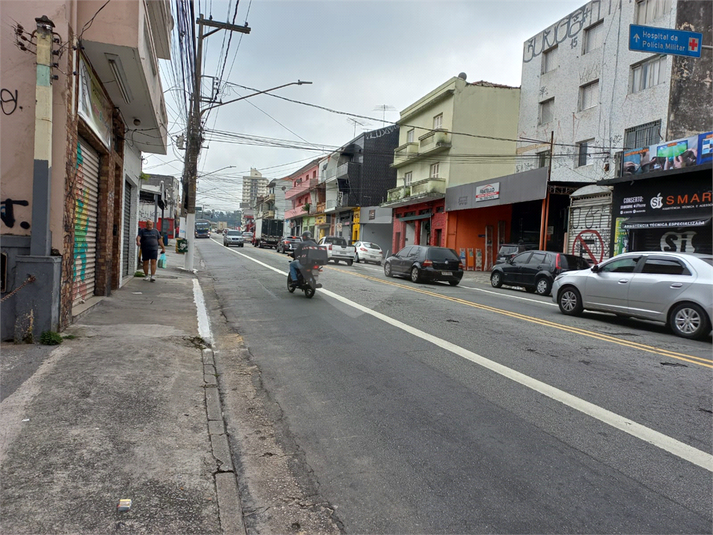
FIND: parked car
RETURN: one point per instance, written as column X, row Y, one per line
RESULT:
column 367, row 251
column 233, row 237
column 425, row 263
column 535, row 270
column 508, row 250
column 338, row 249
column 288, row 244
column 672, row 288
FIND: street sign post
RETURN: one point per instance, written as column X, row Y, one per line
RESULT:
column 664, row 41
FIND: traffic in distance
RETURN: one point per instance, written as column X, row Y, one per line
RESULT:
column 671, row 288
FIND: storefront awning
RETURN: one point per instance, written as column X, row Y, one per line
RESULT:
column 415, row 217
column 664, row 221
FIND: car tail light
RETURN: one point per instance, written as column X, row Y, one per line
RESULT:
column 427, row 263
column 461, row 267
column 557, row 262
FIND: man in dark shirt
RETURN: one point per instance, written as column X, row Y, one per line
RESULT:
column 295, row 264
column 150, row 239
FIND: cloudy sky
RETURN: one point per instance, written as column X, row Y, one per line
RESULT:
column 367, row 58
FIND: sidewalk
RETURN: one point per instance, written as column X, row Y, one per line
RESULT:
column 129, row 409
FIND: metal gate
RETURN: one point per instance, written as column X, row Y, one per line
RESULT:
column 589, row 230
column 126, row 244
column 86, row 191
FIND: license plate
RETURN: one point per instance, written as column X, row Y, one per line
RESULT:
column 446, row 273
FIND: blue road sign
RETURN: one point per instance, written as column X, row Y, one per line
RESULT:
column 665, row 41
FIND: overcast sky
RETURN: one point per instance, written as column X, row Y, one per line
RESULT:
column 360, row 56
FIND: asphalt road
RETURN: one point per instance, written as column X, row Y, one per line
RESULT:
column 425, row 408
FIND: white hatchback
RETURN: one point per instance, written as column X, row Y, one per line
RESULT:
column 672, row 288
column 366, row 251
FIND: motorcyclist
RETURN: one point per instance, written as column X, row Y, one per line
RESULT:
column 295, row 265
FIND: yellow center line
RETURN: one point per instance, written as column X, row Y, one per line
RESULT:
column 708, row 363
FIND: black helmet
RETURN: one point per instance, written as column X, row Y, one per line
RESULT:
column 306, row 235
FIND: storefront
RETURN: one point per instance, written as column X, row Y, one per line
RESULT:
column 669, row 212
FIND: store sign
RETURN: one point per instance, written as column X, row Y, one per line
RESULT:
column 676, row 154
column 94, row 106
column 487, row 192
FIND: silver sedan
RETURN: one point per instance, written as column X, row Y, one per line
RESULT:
column 672, row 288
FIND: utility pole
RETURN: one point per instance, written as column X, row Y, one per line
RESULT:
column 195, row 137
column 544, row 220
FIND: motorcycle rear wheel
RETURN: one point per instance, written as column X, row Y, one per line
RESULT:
column 309, row 292
column 290, row 288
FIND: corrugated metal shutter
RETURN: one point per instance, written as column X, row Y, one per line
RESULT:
column 86, row 193
column 589, row 232
column 128, row 241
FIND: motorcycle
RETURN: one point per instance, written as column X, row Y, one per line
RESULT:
column 306, row 280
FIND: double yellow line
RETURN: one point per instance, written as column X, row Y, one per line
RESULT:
column 708, row 363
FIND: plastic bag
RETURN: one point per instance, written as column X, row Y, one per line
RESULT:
column 162, row 260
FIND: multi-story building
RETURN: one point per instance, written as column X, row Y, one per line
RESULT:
column 254, row 186
column 301, row 209
column 273, row 205
column 460, row 135
column 164, row 209
column 584, row 89
column 83, row 99
column 355, row 177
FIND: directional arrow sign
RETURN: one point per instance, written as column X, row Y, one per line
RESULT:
column 664, row 41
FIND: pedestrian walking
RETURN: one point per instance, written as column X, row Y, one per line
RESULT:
column 150, row 239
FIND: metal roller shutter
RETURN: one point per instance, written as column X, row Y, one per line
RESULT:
column 126, row 245
column 589, row 233
column 86, row 193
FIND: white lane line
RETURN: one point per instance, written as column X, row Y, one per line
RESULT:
column 509, row 296
column 202, row 313
column 659, row 440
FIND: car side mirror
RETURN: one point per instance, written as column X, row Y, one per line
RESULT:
column 595, row 268
column 509, row 260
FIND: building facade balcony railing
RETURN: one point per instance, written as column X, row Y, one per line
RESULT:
column 321, row 206
column 297, row 190
column 416, row 189
column 433, row 141
column 405, row 152
column 270, row 197
column 266, row 214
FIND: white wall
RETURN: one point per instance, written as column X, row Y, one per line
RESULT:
column 616, row 109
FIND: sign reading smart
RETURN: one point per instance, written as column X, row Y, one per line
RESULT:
column 664, row 41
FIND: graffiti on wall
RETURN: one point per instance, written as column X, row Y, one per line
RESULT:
column 567, row 28
column 589, row 225
column 81, row 229
column 7, row 212
column 8, row 101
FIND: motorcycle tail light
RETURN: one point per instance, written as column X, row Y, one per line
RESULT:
column 316, row 267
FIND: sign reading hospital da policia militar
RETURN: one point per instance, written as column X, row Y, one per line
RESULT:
column 665, row 41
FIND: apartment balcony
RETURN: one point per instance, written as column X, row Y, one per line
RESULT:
column 334, row 204
column 405, row 153
column 295, row 213
column 123, row 44
column 434, row 141
column 299, row 189
column 321, row 207
column 270, row 198
column 428, row 188
column 267, row 214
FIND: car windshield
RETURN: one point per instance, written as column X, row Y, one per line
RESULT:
column 370, row 245
column 234, row 233
column 441, row 254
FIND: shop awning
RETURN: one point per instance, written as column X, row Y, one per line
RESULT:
column 665, row 221
column 415, row 217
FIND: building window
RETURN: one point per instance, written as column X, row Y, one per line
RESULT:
column 549, row 60
column 649, row 10
column 434, row 170
column 643, row 135
column 647, row 74
column 407, row 178
column 438, row 121
column 584, row 156
column 547, row 110
column 409, row 136
column 593, row 37
column 589, row 95
column 543, row 159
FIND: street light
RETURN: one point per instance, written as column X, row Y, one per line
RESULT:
column 193, row 150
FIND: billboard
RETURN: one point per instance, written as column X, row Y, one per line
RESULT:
column 676, row 154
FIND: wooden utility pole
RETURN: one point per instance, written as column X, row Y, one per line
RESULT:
column 544, row 219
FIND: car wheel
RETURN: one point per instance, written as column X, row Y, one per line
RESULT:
column 415, row 275
column 453, row 283
column 543, row 286
column 570, row 301
column 349, row 262
column 496, row 279
column 387, row 270
column 689, row 321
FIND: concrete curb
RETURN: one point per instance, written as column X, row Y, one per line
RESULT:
column 226, row 485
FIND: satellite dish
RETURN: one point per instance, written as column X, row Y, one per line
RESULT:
column 463, row 76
